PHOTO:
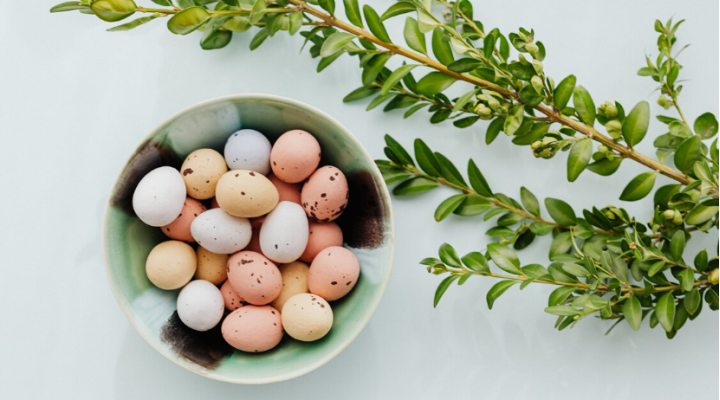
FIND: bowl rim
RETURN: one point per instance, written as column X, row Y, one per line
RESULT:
column 187, row 364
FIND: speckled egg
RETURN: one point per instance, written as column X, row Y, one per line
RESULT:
column 333, row 273
column 246, row 194
column 220, row 232
column 214, row 203
column 322, row 235
column 200, row 305
column 294, row 156
column 253, row 329
column 170, row 265
column 254, row 244
column 249, row 150
column 180, row 228
column 294, row 281
column 325, row 194
column 233, row 301
column 307, row 317
column 201, row 171
column 284, row 233
column 159, row 197
column 211, row 267
column 287, row 191
column 254, row 277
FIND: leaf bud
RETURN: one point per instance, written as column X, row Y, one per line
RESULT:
column 548, row 139
column 493, row 103
column 531, row 48
column 482, row 110
column 602, row 148
column 714, row 277
column 664, row 102
column 614, row 128
column 546, row 153
column 523, row 36
column 610, row 215
column 536, row 144
column 678, row 218
column 522, row 59
column 609, row 110
column 537, row 83
column 482, row 97
column 669, row 214
column 538, row 66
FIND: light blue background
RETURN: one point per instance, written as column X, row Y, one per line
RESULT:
column 75, row 101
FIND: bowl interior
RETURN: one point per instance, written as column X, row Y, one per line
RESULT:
column 366, row 224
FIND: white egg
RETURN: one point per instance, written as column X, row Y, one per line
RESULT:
column 220, row 232
column 160, row 196
column 248, row 149
column 200, row 305
column 284, row 233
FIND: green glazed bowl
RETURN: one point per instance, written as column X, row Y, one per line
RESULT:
column 367, row 226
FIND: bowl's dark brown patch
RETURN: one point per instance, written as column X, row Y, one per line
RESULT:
column 203, row 348
column 362, row 220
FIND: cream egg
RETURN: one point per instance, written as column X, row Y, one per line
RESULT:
column 170, row 265
column 322, row 235
column 211, row 267
column 294, row 156
column 159, row 197
column 325, row 194
column 284, row 233
column 294, row 281
column 220, row 232
column 254, row 277
column 201, row 171
column 307, row 317
column 246, row 194
column 233, row 301
column 180, row 228
column 249, row 150
column 200, row 305
column 253, row 329
column 286, row 191
column 333, row 273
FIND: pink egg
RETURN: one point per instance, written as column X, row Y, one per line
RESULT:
column 287, row 191
column 325, row 194
column 233, row 301
column 294, row 156
column 254, row 277
column 322, row 235
column 214, row 203
column 253, row 329
column 333, row 273
column 254, row 245
column 180, row 228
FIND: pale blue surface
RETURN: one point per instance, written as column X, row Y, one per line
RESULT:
column 75, row 101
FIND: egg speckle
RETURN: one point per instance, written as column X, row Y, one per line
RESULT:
column 325, row 195
column 333, row 273
column 201, row 171
column 307, row 317
column 295, row 156
column 253, row 329
column 246, row 194
column 200, row 305
column 254, row 277
column 170, row 265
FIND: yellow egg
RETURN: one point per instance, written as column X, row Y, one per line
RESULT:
column 201, row 171
column 170, row 265
column 294, row 281
column 211, row 267
column 246, row 194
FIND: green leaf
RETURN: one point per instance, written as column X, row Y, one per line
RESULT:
column 677, row 245
column 530, row 96
column 464, row 99
column 584, row 105
column 575, row 269
column 396, row 76
column 529, row 201
column 535, row 271
column 636, row 123
column 473, row 205
column 449, row 256
column 426, row 22
column 187, row 20
column 379, row 100
column 620, row 269
column 375, row 24
column 514, row 120
column 335, row 43
column 441, row 49
column 442, row 288
column 213, row 37
column 500, row 231
column 560, row 245
column 464, row 278
column 259, row 38
column 440, row 116
column 477, row 180
column 605, row 167
column 497, row 290
column 426, row 159
column 464, row 65
column 257, row 12
column 564, row 91
column 360, row 93
column 687, row 279
column 579, row 158
column 114, row 10
column 665, row 311
column 691, row 302
column 559, row 295
column 657, row 267
column 413, row 37
column 504, row 257
column 327, row 5
column 561, row 212
column 706, row 125
column 352, row 11
column 541, row 229
column 414, row 109
column 399, row 151
column 398, row 9
column 373, row 67
column 510, row 219
column 448, row 206
column 689, row 151
column 633, row 312
column 563, row 310
column 434, row 83
column 449, row 172
column 394, row 175
column 521, row 71
column 494, row 129
column 132, row 24
column 639, row 187
column 680, row 129
column 476, row 262
column 296, row 21
column 415, row 185
column 69, row 6
column 701, row 261
column 465, row 122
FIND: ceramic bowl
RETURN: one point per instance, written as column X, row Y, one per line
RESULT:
column 366, row 223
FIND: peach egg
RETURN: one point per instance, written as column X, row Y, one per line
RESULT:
column 294, row 156
column 322, row 235
column 333, row 273
column 232, row 300
column 254, row 277
column 253, row 329
column 180, row 228
column 287, row 191
column 325, row 194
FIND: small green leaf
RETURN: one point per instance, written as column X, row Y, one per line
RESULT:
column 400, row 151
column 691, row 302
column 497, row 290
column 636, row 123
column 132, row 24
column 373, row 68
column 639, row 187
column 413, row 37
column 473, row 205
column 477, row 180
column 665, row 311
column 449, row 256
column 335, row 43
column 657, row 267
column 584, row 105
column 563, row 92
column 561, row 212
column 352, row 11
column 398, row 9
column 414, row 109
column 701, row 261
column 397, row 76
column 259, row 38
column 464, row 65
column 687, row 279
column 677, row 245
column 296, row 21
column 441, row 49
column 706, row 125
column 379, row 100
column 449, row 172
column 559, row 295
column 426, row 159
column 579, row 158
column 426, row 22
column 375, row 24
column 69, row 6
column 442, row 288
column 529, row 201
column 213, row 37
column 500, row 231
column 563, row 310
column 187, row 20
column 605, row 167
column 327, row 5
column 633, row 312
column 257, row 12
column 448, row 206
column 575, row 270
column 620, row 269
column 476, row 262
column 688, row 152
column 505, row 258
column 434, row 83
column 114, row 10
column 560, row 245
column 415, row 185
column 360, row 93
column 541, row 229
column 494, row 129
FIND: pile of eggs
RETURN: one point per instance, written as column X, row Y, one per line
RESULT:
column 268, row 257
